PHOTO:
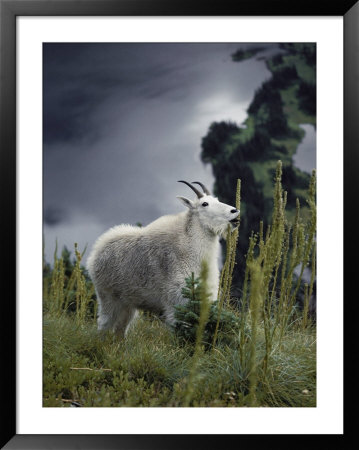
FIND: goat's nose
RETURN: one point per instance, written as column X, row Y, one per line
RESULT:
column 234, row 211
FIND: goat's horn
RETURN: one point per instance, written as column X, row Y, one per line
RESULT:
column 205, row 190
column 198, row 193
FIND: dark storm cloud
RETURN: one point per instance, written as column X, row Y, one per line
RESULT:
column 53, row 216
column 73, row 86
column 79, row 77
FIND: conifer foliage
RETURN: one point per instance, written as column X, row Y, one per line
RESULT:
column 187, row 317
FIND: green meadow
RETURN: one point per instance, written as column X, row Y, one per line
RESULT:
column 252, row 349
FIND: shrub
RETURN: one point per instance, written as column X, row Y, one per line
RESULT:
column 188, row 316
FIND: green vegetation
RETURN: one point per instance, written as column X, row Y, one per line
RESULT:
column 260, row 353
column 188, row 318
column 241, row 55
column 270, row 132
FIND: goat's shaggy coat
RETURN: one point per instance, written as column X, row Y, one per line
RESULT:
column 145, row 268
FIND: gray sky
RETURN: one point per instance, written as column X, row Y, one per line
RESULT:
column 124, row 122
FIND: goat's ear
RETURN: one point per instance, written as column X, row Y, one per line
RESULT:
column 186, row 202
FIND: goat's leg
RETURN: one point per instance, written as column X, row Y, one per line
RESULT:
column 125, row 315
column 113, row 313
column 168, row 316
column 106, row 311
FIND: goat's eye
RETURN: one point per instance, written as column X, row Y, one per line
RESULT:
column 204, row 204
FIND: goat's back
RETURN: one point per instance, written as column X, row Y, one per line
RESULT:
column 132, row 258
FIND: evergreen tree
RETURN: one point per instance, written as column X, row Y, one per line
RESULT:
column 187, row 317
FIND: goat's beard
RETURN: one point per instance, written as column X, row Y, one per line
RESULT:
column 234, row 225
column 231, row 226
column 219, row 229
column 222, row 230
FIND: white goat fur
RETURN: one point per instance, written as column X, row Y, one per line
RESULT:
column 145, row 268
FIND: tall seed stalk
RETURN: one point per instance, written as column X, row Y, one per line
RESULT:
column 256, row 301
column 83, row 297
column 285, row 247
column 59, row 297
column 225, row 282
column 306, row 250
column 244, row 302
column 203, row 319
column 56, row 290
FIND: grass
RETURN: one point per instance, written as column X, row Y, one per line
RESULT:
column 270, row 362
column 151, row 368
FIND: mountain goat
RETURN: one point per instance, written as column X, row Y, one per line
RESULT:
column 145, row 268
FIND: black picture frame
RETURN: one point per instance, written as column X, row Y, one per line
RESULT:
column 9, row 10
